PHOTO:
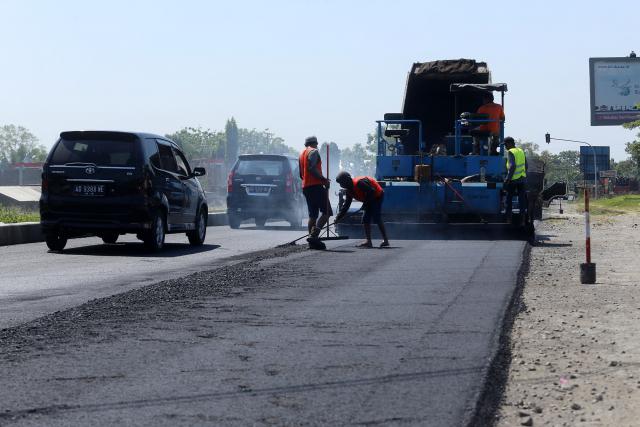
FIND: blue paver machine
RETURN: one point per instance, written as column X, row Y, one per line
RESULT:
column 438, row 170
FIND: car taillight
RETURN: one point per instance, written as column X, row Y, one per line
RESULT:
column 230, row 183
column 45, row 183
column 288, row 183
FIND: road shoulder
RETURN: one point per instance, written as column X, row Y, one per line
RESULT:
column 575, row 347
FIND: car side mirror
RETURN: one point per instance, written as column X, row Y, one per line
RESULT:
column 199, row 171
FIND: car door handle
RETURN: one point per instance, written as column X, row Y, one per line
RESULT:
column 167, row 179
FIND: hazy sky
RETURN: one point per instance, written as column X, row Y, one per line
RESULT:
column 329, row 68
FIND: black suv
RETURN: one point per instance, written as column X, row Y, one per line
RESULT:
column 265, row 186
column 112, row 183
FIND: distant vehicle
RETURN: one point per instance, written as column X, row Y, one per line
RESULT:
column 111, row 183
column 265, row 186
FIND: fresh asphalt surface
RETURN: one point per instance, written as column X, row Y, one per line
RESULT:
column 399, row 336
column 35, row 282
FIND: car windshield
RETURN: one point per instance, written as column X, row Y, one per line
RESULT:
column 98, row 152
column 260, row 167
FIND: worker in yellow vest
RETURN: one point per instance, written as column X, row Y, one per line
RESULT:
column 516, row 180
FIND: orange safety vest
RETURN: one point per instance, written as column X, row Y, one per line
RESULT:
column 359, row 195
column 308, row 179
column 495, row 112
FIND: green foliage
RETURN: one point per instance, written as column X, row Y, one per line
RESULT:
column 633, row 148
column 625, row 168
column 561, row 167
column 9, row 215
column 198, row 143
column 231, row 141
column 614, row 206
column 361, row 158
column 357, row 160
column 633, row 125
column 262, row 142
column 531, row 149
column 17, row 144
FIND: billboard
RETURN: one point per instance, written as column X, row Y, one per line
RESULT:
column 602, row 159
column 615, row 90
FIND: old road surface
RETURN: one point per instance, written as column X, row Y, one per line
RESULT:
column 34, row 282
column 399, row 336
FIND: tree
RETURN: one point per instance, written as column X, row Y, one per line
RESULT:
column 262, row 142
column 625, row 168
column 17, row 144
column 357, row 160
column 634, row 124
column 199, row 143
column 561, row 167
column 231, row 147
column 530, row 149
column 633, row 148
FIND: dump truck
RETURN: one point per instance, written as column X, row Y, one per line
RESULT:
column 436, row 175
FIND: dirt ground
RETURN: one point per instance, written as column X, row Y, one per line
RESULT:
column 576, row 348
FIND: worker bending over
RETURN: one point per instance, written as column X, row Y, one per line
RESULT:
column 516, row 180
column 365, row 189
column 315, row 189
column 490, row 130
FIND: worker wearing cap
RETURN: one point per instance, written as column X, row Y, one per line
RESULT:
column 365, row 189
column 516, row 179
column 314, row 187
column 490, row 130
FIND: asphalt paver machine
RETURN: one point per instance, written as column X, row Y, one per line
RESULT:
column 437, row 173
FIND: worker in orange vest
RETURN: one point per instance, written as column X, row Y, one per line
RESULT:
column 489, row 130
column 365, row 189
column 315, row 188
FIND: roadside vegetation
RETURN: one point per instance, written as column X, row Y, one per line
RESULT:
column 617, row 205
column 12, row 215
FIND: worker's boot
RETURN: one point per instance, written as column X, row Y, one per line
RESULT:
column 314, row 240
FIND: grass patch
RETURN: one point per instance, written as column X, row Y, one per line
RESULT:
column 13, row 215
column 617, row 205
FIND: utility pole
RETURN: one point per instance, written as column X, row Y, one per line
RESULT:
column 548, row 139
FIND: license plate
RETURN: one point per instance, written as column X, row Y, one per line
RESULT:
column 89, row 189
column 258, row 190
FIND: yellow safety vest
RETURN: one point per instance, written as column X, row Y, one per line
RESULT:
column 519, row 157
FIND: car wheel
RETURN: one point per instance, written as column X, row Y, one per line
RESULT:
column 56, row 241
column 260, row 221
column 197, row 236
column 154, row 238
column 110, row 238
column 234, row 221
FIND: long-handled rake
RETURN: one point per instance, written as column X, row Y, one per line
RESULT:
column 293, row 242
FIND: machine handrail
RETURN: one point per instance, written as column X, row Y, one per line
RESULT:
column 382, row 143
column 458, row 135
